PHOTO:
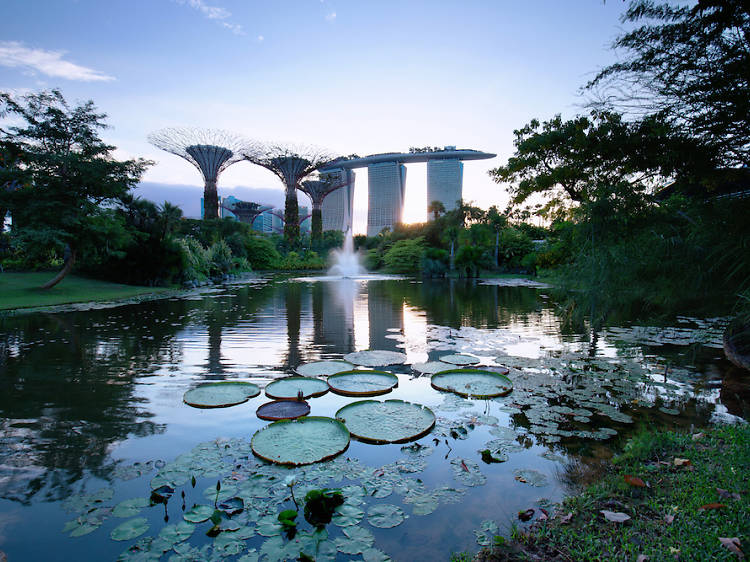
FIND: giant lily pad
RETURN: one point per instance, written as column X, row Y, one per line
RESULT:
column 283, row 410
column 376, row 358
column 323, row 368
column 431, row 367
column 460, row 359
column 303, row 441
column 392, row 421
column 290, row 388
column 472, row 383
column 362, row 383
column 220, row 394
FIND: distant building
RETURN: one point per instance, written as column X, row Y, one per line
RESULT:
column 338, row 206
column 305, row 224
column 444, row 182
column 225, row 202
column 386, row 184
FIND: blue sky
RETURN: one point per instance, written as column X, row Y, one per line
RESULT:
column 352, row 77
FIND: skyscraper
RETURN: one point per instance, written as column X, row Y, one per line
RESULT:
column 444, row 183
column 386, row 183
column 338, row 206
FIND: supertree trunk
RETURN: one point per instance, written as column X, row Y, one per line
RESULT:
column 291, row 217
column 316, row 226
column 210, row 201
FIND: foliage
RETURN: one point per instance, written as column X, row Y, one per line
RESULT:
column 405, row 256
column 687, row 64
column 261, row 252
column 320, row 505
column 63, row 174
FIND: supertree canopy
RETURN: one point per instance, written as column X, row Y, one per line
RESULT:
column 291, row 164
column 317, row 190
column 247, row 211
column 209, row 150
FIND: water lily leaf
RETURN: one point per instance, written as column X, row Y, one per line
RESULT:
column 220, row 394
column 531, row 476
column 467, row 472
column 669, row 411
column 323, row 368
column 250, row 556
column 614, row 516
column 431, row 367
column 198, row 513
column 283, row 409
column 423, row 504
column 172, row 534
column 392, row 421
column 375, row 358
column 131, row 507
column 346, row 515
column 486, row 532
column 362, row 383
column 130, row 529
column 385, row 516
column 302, row 441
column 474, row 383
column 357, row 540
column 375, row 555
column 459, row 359
column 291, row 387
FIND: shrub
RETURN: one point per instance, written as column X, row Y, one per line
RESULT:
column 405, row 256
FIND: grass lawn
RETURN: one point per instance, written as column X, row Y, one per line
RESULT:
column 21, row 290
column 679, row 496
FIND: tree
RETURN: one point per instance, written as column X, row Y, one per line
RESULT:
column 436, row 208
column 598, row 158
column 497, row 221
column 689, row 65
column 66, row 175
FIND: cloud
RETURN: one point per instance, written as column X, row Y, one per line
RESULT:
column 331, row 16
column 15, row 55
column 260, row 39
column 214, row 13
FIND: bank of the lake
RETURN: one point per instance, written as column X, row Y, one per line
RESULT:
column 668, row 496
column 22, row 290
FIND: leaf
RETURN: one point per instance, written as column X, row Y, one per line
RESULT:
column 682, row 462
column 634, row 481
column 385, row 516
column 733, row 545
column 130, row 529
column 697, row 436
column 526, row 515
column 711, row 506
column 614, row 516
column 641, row 558
column 566, row 519
column 668, row 519
column 198, row 513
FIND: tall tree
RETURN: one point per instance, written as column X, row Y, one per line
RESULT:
column 690, row 65
column 65, row 173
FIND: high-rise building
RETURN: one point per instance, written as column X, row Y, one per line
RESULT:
column 444, row 183
column 338, row 206
column 304, row 220
column 226, row 203
column 386, row 183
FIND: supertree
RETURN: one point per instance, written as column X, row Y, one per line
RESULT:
column 291, row 165
column 209, row 150
column 317, row 190
column 246, row 211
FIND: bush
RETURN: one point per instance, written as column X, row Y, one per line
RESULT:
column 261, row 252
column 405, row 256
column 435, row 262
column 219, row 258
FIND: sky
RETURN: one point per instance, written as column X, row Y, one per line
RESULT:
column 351, row 77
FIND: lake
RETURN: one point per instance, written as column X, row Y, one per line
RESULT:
column 93, row 418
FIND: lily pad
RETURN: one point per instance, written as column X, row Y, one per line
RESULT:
column 376, row 358
column 431, row 367
column 385, row 516
column 323, row 368
column 198, row 513
column 459, row 359
column 220, row 394
column 467, row 472
column 131, row 507
column 290, row 388
column 357, row 540
column 531, row 476
column 130, row 529
column 303, row 441
column 362, row 383
column 347, row 515
column 282, row 410
column 392, row 421
column 473, row 383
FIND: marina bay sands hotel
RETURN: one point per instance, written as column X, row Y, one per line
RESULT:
column 386, row 177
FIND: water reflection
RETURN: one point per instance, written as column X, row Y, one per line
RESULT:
column 81, row 390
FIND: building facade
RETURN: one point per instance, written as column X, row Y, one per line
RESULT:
column 386, row 184
column 338, row 206
column 444, row 183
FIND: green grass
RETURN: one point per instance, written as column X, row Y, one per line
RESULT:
column 718, row 459
column 21, row 290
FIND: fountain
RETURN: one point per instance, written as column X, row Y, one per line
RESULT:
column 346, row 260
